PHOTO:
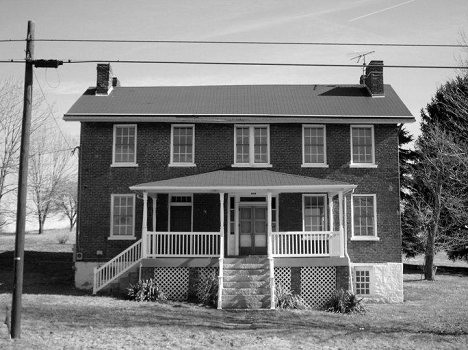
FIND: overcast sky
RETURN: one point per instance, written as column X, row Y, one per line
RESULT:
column 350, row 21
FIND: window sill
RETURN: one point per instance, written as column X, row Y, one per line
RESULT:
column 251, row 166
column 123, row 238
column 365, row 238
column 314, row 165
column 181, row 165
column 124, row 165
column 363, row 165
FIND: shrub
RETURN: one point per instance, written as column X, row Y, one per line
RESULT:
column 285, row 299
column 63, row 238
column 146, row 290
column 207, row 292
column 345, row 302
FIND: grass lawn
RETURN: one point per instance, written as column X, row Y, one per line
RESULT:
column 56, row 316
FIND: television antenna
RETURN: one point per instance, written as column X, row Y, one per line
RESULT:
column 362, row 56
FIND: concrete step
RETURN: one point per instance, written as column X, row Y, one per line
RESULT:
column 243, row 266
column 246, row 284
column 246, row 278
column 246, row 302
column 247, row 260
column 253, row 272
column 246, row 291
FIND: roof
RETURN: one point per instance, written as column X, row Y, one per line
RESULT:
column 243, row 180
column 229, row 103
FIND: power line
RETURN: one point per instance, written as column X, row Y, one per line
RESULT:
column 70, row 61
column 240, row 42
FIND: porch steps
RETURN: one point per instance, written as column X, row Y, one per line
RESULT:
column 122, row 283
column 246, row 283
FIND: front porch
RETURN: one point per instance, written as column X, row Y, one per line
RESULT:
column 249, row 224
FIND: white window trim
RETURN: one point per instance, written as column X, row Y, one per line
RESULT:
column 315, row 165
column 182, row 164
column 364, row 238
column 364, row 267
column 118, row 237
column 179, row 204
column 325, row 205
column 362, row 165
column 122, row 164
column 251, row 163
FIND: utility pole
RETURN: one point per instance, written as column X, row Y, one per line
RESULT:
column 22, row 186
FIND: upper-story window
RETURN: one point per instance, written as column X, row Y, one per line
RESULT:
column 314, row 152
column 363, row 217
column 124, row 146
column 182, row 145
column 362, row 146
column 252, row 146
column 122, row 216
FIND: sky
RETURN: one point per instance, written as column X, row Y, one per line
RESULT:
column 344, row 21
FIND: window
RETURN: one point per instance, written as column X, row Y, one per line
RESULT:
column 362, row 280
column 180, row 213
column 252, row 146
column 124, row 150
column 314, row 146
column 123, row 216
column 183, row 145
column 314, row 211
column 362, row 146
column 363, row 218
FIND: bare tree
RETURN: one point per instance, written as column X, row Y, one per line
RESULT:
column 67, row 200
column 50, row 164
column 11, row 111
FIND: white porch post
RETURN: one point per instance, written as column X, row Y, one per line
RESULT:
column 155, row 201
column 221, row 250
column 330, row 209
column 145, row 225
column 270, row 252
column 341, row 219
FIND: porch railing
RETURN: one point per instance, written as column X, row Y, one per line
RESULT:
column 183, row 244
column 117, row 266
column 299, row 243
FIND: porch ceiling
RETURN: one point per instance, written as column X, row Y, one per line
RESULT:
column 244, row 180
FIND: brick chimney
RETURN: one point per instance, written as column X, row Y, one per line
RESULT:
column 104, row 79
column 373, row 79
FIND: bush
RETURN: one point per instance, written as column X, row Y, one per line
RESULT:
column 285, row 299
column 63, row 238
column 345, row 302
column 146, row 290
column 207, row 292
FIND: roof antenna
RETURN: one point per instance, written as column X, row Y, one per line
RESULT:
column 362, row 56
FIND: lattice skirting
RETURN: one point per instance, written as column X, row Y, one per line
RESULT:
column 317, row 284
column 283, row 277
column 177, row 282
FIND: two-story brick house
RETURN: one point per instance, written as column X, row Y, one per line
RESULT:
column 257, row 184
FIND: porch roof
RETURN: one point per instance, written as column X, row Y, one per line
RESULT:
column 244, row 180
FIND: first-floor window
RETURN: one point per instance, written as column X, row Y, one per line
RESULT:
column 180, row 214
column 364, row 215
column 123, row 215
column 362, row 278
column 314, row 212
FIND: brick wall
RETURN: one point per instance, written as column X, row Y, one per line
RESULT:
column 215, row 150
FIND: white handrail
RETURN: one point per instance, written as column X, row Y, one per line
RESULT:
column 115, row 267
column 302, row 243
column 183, row 244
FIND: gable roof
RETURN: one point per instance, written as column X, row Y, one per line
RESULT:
column 243, row 180
column 231, row 103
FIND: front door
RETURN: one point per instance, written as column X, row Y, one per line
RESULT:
column 253, row 230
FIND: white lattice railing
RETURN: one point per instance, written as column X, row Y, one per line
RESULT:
column 299, row 243
column 115, row 267
column 183, row 244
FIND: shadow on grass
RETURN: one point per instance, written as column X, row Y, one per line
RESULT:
column 44, row 273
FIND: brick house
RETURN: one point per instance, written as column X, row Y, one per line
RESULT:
column 256, row 185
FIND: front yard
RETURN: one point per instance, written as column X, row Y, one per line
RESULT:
column 55, row 316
